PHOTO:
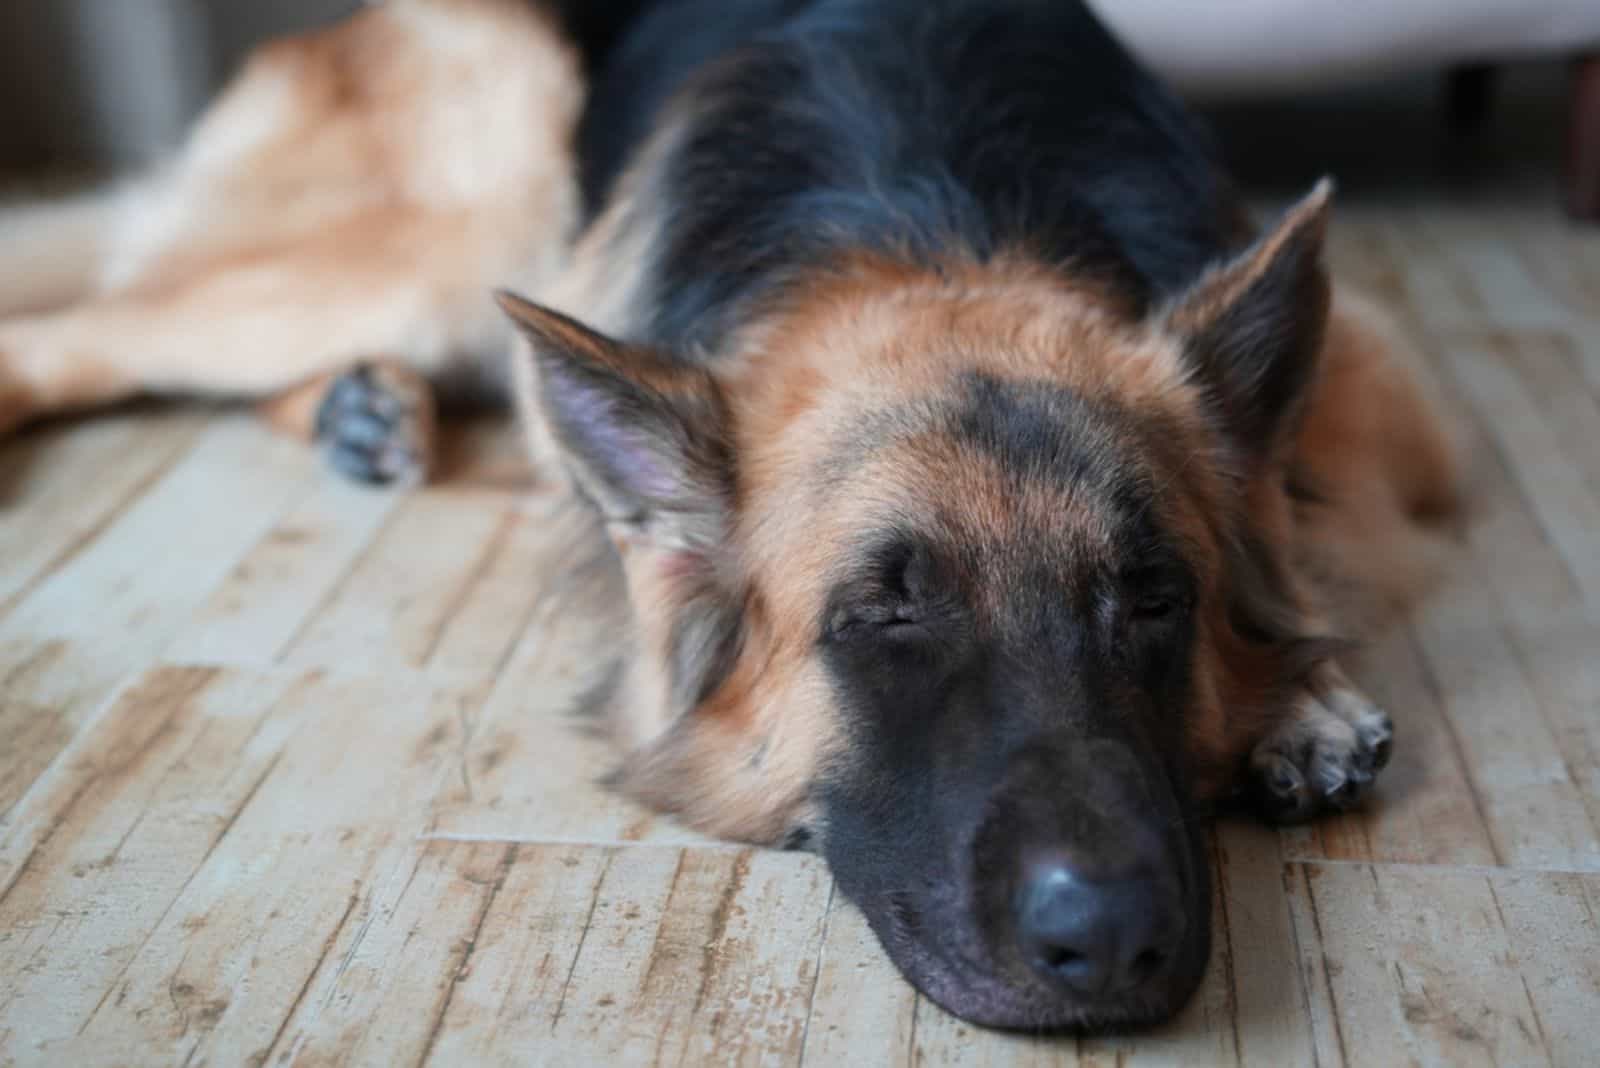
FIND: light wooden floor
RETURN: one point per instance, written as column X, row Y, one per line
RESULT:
column 286, row 775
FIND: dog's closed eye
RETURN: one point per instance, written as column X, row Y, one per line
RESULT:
column 898, row 621
column 1156, row 595
column 1154, row 607
column 894, row 597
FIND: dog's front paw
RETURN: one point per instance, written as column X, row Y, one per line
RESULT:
column 377, row 424
column 1323, row 754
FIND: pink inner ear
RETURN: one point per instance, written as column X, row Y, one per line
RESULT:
column 600, row 434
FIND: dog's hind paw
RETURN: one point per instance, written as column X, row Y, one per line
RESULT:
column 1323, row 754
column 377, row 424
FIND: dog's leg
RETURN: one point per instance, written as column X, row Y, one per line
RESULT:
column 296, row 322
column 1385, row 469
column 1324, row 753
column 377, row 421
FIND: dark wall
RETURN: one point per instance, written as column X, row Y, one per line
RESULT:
column 113, row 83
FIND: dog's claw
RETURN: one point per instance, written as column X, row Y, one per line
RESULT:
column 376, row 425
column 1322, row 756
column 1283, row 792
column 1377, row 739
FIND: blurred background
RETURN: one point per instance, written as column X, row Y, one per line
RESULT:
column 1428, row 93
column 113, row 83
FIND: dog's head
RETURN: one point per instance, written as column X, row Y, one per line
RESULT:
column 961, row 579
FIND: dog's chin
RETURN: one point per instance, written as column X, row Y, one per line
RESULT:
column 999, row 999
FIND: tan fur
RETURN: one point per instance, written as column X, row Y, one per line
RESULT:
column 1379, row 438
column 355, row 194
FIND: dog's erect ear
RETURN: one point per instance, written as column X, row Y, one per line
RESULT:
column 1253, row 325
column 644, row 437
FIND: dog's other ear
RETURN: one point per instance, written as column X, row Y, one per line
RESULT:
column 1252, row 326
column 643, row 437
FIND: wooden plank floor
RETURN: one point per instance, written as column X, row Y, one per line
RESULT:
column 287, row 772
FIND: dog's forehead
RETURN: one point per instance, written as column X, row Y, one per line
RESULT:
column 1012, row 483
column 992, row 459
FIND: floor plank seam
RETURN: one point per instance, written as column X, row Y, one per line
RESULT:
column 49, row 772
column 352, row 567
column 816, row 973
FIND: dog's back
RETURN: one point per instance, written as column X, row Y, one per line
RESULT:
column 922, row 128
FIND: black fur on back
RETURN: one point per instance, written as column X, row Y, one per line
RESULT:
column 923, row 129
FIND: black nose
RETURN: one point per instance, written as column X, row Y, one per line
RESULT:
column 1095, row 936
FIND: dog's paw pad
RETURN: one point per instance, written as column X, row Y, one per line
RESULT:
column 377, row 425
column 1323, row 757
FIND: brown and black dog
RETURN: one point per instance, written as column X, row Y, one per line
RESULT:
column 991, row 497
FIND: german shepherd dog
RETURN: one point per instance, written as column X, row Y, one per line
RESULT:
column 992, row 496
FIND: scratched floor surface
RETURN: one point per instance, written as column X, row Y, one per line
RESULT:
column 287, row 772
